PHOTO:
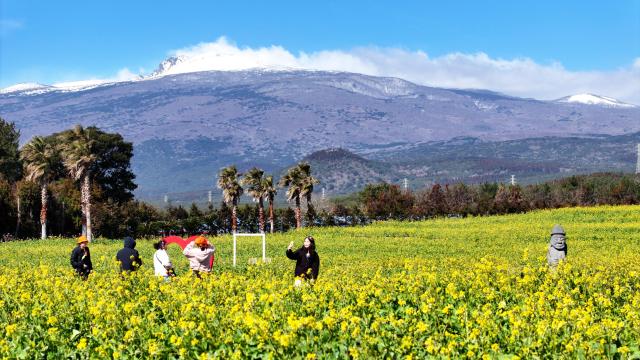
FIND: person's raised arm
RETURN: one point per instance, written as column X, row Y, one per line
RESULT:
column 187, row 250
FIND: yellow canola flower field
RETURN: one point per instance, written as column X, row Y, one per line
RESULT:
column 446, row 288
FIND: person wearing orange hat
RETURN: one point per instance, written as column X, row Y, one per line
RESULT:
column 200, row 254
column 81, row 258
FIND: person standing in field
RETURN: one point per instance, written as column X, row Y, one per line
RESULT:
column 81, row 258
column 307, row 260
column 200, row 254
column 162, row 265
column 128, row 256
column 557, row 246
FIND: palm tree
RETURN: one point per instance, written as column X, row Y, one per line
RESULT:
column 78, row 157
column 254, row 181
column 307, row 182
column 231, row 191
column 270, row 192
column 293, row 180
column 40, row 159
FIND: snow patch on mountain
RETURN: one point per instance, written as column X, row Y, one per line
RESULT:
column 80, row 85
column 71, row 86
column 25, row 88
column 374, row 87
column 590, row 99
column 484, row 106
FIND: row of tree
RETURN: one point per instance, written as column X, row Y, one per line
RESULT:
column 388, row 201
column 298, row 180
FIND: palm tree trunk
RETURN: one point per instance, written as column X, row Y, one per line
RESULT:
column 298, row 214
column 44, row 199
column 19, row 214
column 272, row 223
column 234, row 221
column 83, row 210
column 261, row 215
column 86, row 197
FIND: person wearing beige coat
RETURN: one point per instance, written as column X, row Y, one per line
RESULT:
column 200, row 254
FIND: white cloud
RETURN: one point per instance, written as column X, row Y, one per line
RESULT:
column 520, row 77
column 126, row 75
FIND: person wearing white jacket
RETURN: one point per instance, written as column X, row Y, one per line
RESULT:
column 200, row 254
column 162, row 265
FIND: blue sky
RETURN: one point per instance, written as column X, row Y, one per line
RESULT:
column 54, row 41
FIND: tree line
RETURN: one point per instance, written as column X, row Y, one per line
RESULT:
column 387, row 201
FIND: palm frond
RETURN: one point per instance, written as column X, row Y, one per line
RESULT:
column 228, row 182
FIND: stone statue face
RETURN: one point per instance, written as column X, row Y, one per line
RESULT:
column 558, row 241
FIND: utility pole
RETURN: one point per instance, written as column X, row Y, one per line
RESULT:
column 62, row 231
column 406, row 184
column 638, row 161
column 513, row 179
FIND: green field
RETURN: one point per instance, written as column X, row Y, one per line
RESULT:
column 444, row 288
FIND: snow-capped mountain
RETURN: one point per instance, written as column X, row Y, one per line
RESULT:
column 186, row 126
column 590, row 99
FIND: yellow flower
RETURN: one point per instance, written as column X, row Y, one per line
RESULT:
column 82, row 344
column 10, row 329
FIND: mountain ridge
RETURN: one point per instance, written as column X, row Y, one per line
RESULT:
column 186, row 127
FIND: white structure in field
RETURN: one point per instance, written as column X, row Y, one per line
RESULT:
column 264, row 246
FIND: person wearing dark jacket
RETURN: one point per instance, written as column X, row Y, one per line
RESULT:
column 307, row 260
column 81, row 258
column 128, row 256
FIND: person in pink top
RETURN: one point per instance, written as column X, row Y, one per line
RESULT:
column 200, row 254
